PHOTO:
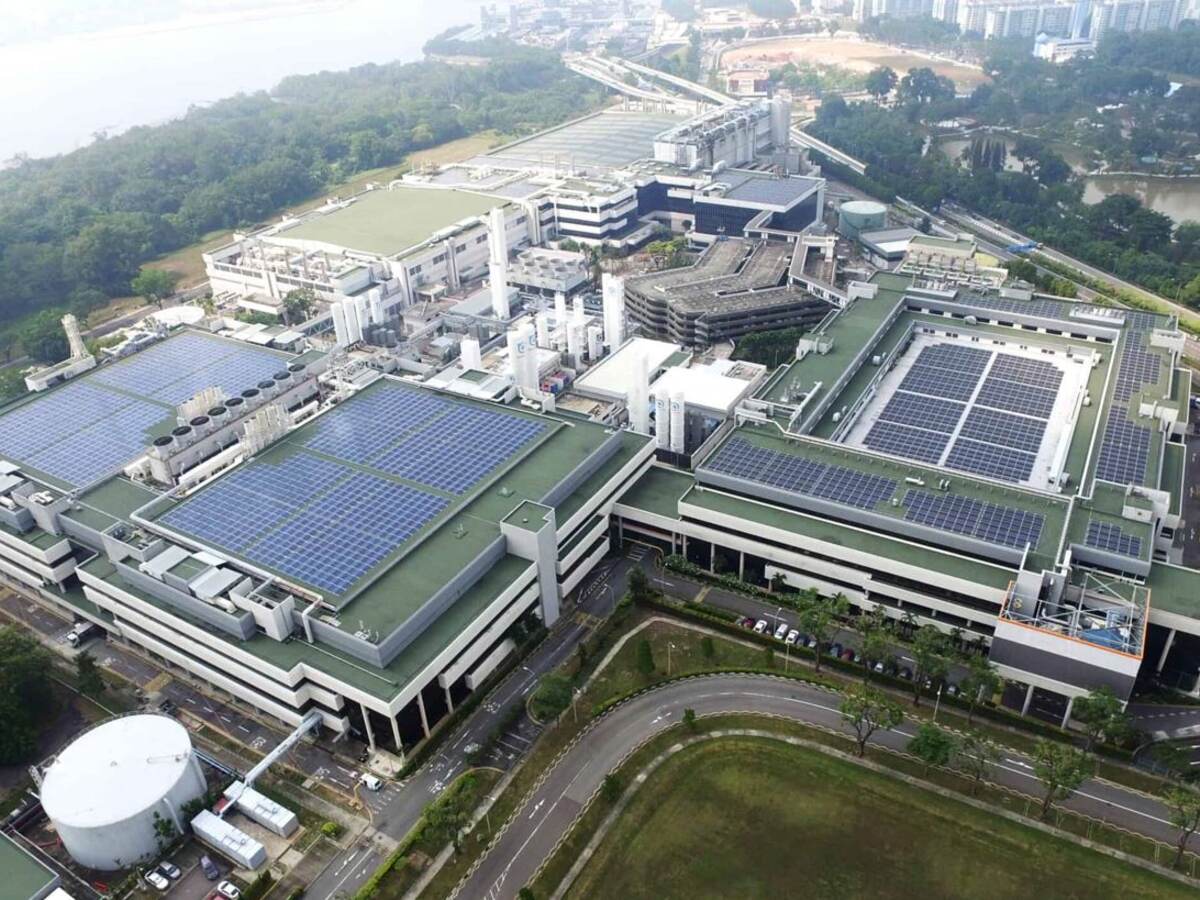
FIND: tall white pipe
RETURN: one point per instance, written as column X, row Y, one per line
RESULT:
column 678, row 422
column 613, row 288
column 575, row 342
column 497, row 237
column 578, row 311
column 498, row 273
column 595, row 342
column 662, row 420
column 560, row 319
column 639, row 396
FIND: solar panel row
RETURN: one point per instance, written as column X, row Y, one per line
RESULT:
column 1004, row 429
column 954, row 356
column 1124, row 449
column 999, row 393
column 361, row 430
column 1035, row 372
column 1138, row 368
column 919, row 411
column 1004, row 463
column 1110, row 536
column 741, row 459
column 1004, row 525
column 938, row 382
column 903, row 440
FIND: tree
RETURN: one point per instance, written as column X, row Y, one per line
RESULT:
column 88, row 674
column 156, row 285
column 43, row 338
column 881, row 81
column 447, row 818
column 1184, row 805
column 1061, row 769
column 27, row 702
column 980, row 682
column 976, row 755
column 866, row 710
column 819, row 617
column 298, row 305
column 610, row 788
column 689, row 719
column 1103, row 717
column 553, row 695
column 707, row 648
column 930, row 659
column 645, row 658
column 639, row 585
column 876, row 640
column 932, row 745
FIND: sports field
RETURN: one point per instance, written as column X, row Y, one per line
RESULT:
column 855, row 55
column 754, row 818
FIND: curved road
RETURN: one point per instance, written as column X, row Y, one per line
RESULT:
column 554, row 805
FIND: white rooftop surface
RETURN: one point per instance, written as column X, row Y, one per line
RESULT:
column 1051, row 455
column 183, row 314
column 703, row 387
column 116, row 770
column 613, row 377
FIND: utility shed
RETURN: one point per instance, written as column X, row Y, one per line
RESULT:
column 262, row 809
column 244, row 850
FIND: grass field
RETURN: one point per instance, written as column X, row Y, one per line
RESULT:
column 752, row 818
column 857, row 56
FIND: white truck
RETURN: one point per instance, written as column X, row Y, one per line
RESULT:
column 82, row 633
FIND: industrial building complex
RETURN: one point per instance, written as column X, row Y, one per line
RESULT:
column 347, row 522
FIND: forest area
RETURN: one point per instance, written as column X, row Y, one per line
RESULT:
column 75, row 229
column 1117, row 104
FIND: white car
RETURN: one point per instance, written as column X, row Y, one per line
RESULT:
column 157, row 881
column 228, row 890
column 781, row 631
column 170, row 870
column 369, row 781
column 760, row 626
column 792, row 637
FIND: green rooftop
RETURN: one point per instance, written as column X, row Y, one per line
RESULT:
column 387, row 222
column 24, row 876
column 1174, row 589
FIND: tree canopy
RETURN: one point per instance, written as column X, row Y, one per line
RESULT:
column 26, row 699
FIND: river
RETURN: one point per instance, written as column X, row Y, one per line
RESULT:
column 55, row 94
column 1177, row 197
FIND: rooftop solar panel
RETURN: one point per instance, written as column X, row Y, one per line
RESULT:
column 920, row 411
column 991, row 522
column 1110, row 536
column 1035, row 372
column 1138, row 368
column 1124, row 449
column 903, row 440
column 361, row 430
column 1004, row 463
column 937, row 382
column 1005, row 429
column 955, row 356
column 1012, row 396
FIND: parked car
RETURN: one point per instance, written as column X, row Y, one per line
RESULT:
column 747, row 622
column 781, row 631
column 792, row 637
column 209, row 868
column 169, row 869
column 760, row 626
column 849, row 655
column 878, row 667
column 905, row 673
column 810, row 642
column 835, row 649
column 952, row 689
column 167, row 706
column 229, row 890
column 157, row 881
column 369, row 781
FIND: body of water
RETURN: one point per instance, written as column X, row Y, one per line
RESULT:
column 54, row 95
column 1177, row 197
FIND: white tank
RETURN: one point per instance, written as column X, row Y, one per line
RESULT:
column 103, row 792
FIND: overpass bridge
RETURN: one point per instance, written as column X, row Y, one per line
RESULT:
column 612, row 77
column 804, row 139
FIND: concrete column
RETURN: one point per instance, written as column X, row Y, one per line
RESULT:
column 712, row 558
column 683, row 552
column 367, row 722
column 1028, row 700
column 424, row 718
column 396, row 735
column 1162, row 660
column 449, row 700
column 741, row 566
column 1067, row 715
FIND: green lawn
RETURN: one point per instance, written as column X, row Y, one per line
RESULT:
column 753, row 818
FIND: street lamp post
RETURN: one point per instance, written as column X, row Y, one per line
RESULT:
column 938, row 702
column 670, row 647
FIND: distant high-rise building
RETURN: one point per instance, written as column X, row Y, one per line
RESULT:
column 897, row 9
column 1132, row 15
column 1016, row 18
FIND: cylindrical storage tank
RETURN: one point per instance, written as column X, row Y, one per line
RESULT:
column 163, row 446
column 857, row 216
column 282, row 376
column 219, row 415
column 268, row 388
column 183, row 435
column 235, row 406
column 104, row 791
column 252, row 397
column 296, row 368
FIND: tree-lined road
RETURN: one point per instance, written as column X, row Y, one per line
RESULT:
column 552, row 808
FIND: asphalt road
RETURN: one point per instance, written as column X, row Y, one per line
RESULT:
column 552, row 808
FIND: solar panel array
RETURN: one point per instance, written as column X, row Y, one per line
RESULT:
column 917, row 411
column 850, row 487
column 80, row 432
column 317, row 516
column 1124, row 449
column 903, row 440
column 1004, row 525
column 1138, row 368
column 460, row 449
column 987, row 459
column 176, row 370
column 1110, row 536
column 938, row 382
column 1012, row 396
column 993, row 426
